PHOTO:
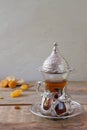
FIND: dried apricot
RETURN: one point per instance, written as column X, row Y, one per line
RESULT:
column 16, row 93
column 4, row 83
column 24, row 87
column 12, row 84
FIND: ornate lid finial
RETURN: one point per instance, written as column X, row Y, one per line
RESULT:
column 55, row 46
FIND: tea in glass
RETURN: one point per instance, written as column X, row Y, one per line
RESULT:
column 55, row 86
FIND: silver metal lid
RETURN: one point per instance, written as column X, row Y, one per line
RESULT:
column 55, row 63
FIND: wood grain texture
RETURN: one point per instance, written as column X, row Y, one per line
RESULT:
column 19, row 119
column 78, row 91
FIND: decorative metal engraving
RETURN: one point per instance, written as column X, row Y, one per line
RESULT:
column 55, row 63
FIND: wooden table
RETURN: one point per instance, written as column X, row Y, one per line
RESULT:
column 18, row 119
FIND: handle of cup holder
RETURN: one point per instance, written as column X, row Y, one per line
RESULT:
column 39, row 84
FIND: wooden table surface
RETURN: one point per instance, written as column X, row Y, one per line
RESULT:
column 18, row 119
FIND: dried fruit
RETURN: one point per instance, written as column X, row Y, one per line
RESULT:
column 16, row 93
column 12, row 84
column 20, row 82
column 24, row 87
column 10, row 78
column 4, row 83
column 17, row 107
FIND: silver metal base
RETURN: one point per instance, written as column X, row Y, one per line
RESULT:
column 76, row 107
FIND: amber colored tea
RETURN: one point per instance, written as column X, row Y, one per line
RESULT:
column 55, row 86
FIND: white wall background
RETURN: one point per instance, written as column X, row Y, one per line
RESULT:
column 29, row 27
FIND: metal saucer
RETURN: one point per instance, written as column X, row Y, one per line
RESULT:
column 76, row 107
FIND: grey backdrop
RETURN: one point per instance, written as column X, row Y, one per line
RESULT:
column 28, row 29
